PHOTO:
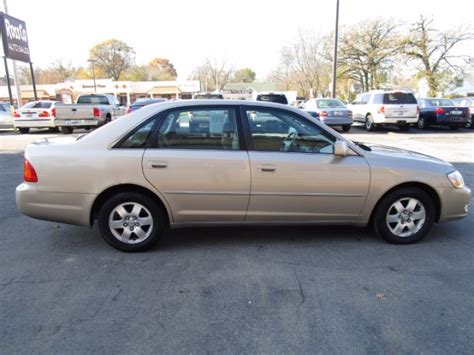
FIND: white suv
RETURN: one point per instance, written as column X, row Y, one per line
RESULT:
column 381, row 107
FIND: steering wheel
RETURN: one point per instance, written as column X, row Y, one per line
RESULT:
column 288, row 141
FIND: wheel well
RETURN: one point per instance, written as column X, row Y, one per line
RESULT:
column 106, row 194
column 428, row 189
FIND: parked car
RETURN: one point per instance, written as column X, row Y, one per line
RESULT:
column 90, row 111
column 469, row 103
column 35, row 114
column 140, row 103
column 208, row 96
column 6, row 119
column 378, row 108
column 331, row 112
column 442, row 112
column 157, row 169
column 272, row 97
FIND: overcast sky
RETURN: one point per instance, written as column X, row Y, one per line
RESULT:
column 245, row 33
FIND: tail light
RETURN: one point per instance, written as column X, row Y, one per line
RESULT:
column 29, row 173
column 96, row 112
column 417, row 109
column 323, row 113
column 349, row 113
column 440, row 111
column 44, row 114
column 53, row 112
column 129, row 109
column 381, row 109
column 16, row 114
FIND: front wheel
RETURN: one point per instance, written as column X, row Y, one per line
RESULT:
column 131, row 221
column 66, row 130
column 346, row 128
column 404, row 216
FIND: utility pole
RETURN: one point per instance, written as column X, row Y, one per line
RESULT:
column 92, row 61
column 334, row 63
column 15, row 71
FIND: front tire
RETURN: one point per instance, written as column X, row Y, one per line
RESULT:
column 404, row 216
column 131, row 222
column 66, row 130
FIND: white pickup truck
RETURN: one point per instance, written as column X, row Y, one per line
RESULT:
column 90, row 111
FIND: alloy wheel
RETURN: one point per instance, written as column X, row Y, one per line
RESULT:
column 406, row 217
column 131, row 222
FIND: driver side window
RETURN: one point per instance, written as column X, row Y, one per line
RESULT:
column 279, row 131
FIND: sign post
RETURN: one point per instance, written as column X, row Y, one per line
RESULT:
column 15, row 46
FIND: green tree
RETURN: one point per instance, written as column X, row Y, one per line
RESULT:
column 244, row 75
column 114, row 57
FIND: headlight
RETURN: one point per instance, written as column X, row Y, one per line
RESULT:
column 456, row 179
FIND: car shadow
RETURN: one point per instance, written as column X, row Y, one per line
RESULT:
column 359, row 128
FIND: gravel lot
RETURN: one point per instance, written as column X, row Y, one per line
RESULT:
column 228, row 290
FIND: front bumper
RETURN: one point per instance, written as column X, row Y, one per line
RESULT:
column 71, row 208
column 34, row 123
column 454, row 203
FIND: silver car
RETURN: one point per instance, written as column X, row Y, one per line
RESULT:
column 220, row 162
column 330, row 111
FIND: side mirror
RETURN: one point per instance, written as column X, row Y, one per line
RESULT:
column 341, row 149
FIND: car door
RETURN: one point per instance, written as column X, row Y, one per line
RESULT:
column 295, row 175
column 196, row 162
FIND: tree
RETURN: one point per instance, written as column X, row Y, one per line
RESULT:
column 114, row 57
column 366, row 52
column 162, row 69
column 137, row 73
column 432, row 49
column 213, row 74
column 244, row 75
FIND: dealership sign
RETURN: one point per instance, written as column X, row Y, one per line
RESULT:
column 15, row 39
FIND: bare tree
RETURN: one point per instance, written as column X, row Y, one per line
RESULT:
column 213, row 74
column 432, row 49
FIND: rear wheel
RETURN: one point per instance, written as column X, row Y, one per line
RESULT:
column 346, row 128
column 66, row 130
column 369, row 123
column 422, row 124
column 23, row 130
column 404, row 216
column 131, row 221
column 469, row 124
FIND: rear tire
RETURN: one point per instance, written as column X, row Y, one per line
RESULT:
column 387, row 217
column 137, row 208
column 23, row 130
column 369, row 123
column 66, row 130
column 346, row 128
column 422, row 124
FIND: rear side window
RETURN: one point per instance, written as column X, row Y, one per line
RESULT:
column 138, row 138
column 399, row 98
column 279, row 99
column 199, row 129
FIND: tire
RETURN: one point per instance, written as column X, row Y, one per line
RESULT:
column 66, row 130
column 386, row 211
column 23, row 130
column 469, row 124
column 404, row 128
column 422, row 124
column 369, row 123
column 453, row 128
column 149, row 213
column 54, row 130
column 108, row 118
column 346, row 128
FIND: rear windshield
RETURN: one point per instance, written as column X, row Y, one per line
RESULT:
column 92, row 99
column 208, row 96
column 399, row 98
column 38, row 104
column 441, row 102
column 279, row 99
column 329, row 104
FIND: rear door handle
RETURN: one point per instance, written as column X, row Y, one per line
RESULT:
column 157, row 164
column 267, row 168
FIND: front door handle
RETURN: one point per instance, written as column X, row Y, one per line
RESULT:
column 157, row 164
column 267, row 168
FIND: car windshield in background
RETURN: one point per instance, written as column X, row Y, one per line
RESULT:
column 399, row 98
column 329, row 104
column 441, row 102
column 91, row 99
column 208, row 96
column 279, row 99
column 144, row 102
column 38, row 104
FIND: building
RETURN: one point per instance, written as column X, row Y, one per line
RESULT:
column 247, row 91
column 125, row 91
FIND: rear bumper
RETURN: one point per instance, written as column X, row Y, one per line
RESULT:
column 78, row 122
column 382, row 119
column 336, row 121
column 71, row 208
column 34, row 123
column 454, row 203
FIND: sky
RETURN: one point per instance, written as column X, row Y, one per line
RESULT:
column 244, row 33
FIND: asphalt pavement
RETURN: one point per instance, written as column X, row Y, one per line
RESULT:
column 237, row 290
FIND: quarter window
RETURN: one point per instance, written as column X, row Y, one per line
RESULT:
column 138, row 138
column 279, row 131
column 199, row 129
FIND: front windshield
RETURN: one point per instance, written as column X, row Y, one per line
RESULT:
column 329, row 104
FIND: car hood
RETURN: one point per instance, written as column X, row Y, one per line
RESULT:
column 387, row 151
